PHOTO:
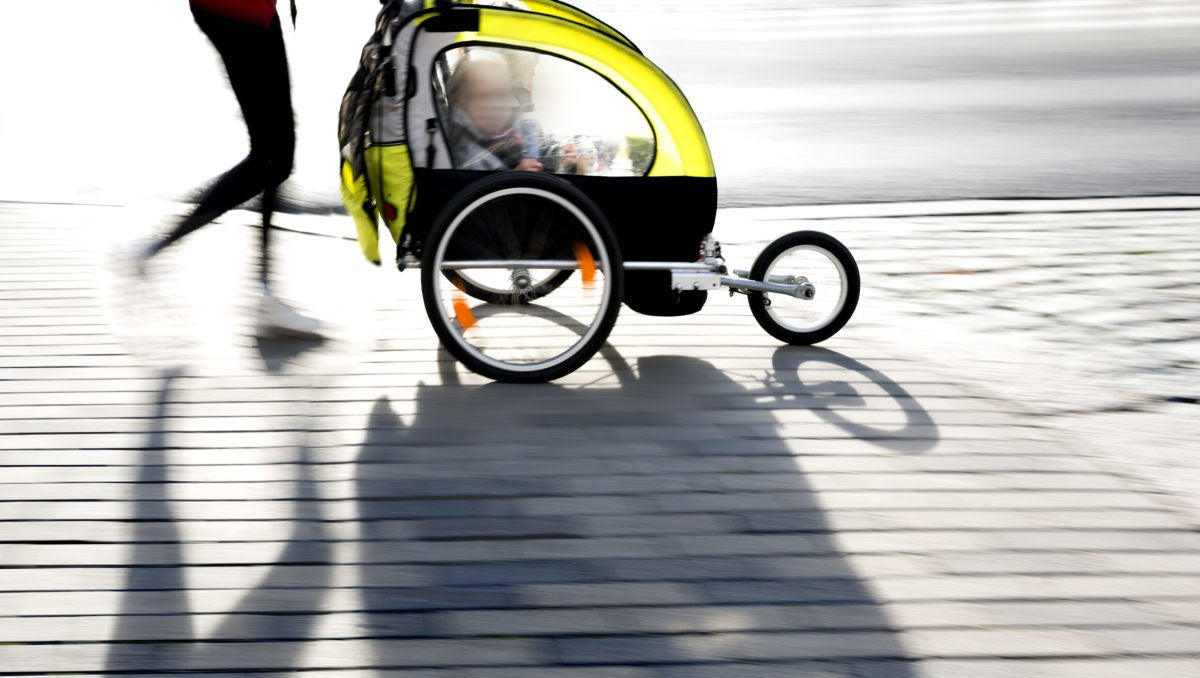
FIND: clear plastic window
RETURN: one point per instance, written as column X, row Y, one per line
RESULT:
column 512, row 109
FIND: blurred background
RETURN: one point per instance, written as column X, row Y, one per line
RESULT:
column 805, row 101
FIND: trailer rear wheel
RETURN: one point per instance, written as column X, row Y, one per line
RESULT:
column 528, row 233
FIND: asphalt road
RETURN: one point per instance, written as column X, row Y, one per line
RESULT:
column 803, row 102
column 946, row 101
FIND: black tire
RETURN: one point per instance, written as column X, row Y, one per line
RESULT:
column 827, row 325
column 458, row 227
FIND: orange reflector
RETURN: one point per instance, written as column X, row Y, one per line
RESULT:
column 587, row 264
column 462, row 311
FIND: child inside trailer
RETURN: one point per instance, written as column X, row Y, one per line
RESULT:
column 492, row 106
column 512, row 109
column 483, row 110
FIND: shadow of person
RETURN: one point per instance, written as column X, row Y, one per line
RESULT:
column 155, row 539
column 603, row 524
column 277, row 354
column 840, row 402
column 156, row 629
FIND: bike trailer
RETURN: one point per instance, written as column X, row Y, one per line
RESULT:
column 608, row 121
column 542, row 172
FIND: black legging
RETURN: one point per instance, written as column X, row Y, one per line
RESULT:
column 256, row 61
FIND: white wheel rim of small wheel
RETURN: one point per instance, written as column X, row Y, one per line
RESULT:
column 828, row 317
column 604, row 265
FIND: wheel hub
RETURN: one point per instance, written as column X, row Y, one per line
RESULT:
column 522, row 280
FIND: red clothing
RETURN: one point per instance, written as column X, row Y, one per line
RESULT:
column 257, row 12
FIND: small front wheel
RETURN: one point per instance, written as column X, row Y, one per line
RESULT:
column 551, row 263
column 823, row 266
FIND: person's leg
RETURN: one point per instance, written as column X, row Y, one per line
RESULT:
column 230, row 190
column 256, row 61
column 272, row 134
column 264, row 238
column 273, row 138
column 248, row 53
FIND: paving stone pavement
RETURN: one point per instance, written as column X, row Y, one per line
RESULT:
column 1087, row 321
column 986, row 473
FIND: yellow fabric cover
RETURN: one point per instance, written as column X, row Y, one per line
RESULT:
column 681, row 148
column 389, row 169
column 354, row 197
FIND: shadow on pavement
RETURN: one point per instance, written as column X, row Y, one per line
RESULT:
column 838, row 402
column 155, row 539
column 277, row 354
column 605, row 527
column 551, row 526
column 157, row 630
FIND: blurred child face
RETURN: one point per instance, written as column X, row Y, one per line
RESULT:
column 487, row 97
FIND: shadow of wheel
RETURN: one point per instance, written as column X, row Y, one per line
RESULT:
column 830, row 400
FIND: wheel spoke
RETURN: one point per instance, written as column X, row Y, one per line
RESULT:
column 552, row 320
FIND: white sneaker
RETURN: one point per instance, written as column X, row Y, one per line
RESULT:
column 277, row 320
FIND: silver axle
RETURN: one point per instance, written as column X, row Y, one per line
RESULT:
column 801, row 290
column 792, row 286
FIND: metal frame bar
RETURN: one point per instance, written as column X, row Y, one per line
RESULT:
column 789, row 285
column 571, row 264
column 777, row 279
column 560, row 264
column 672, row 266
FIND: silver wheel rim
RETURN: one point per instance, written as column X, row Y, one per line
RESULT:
column 833, row 312
column 603, row 264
